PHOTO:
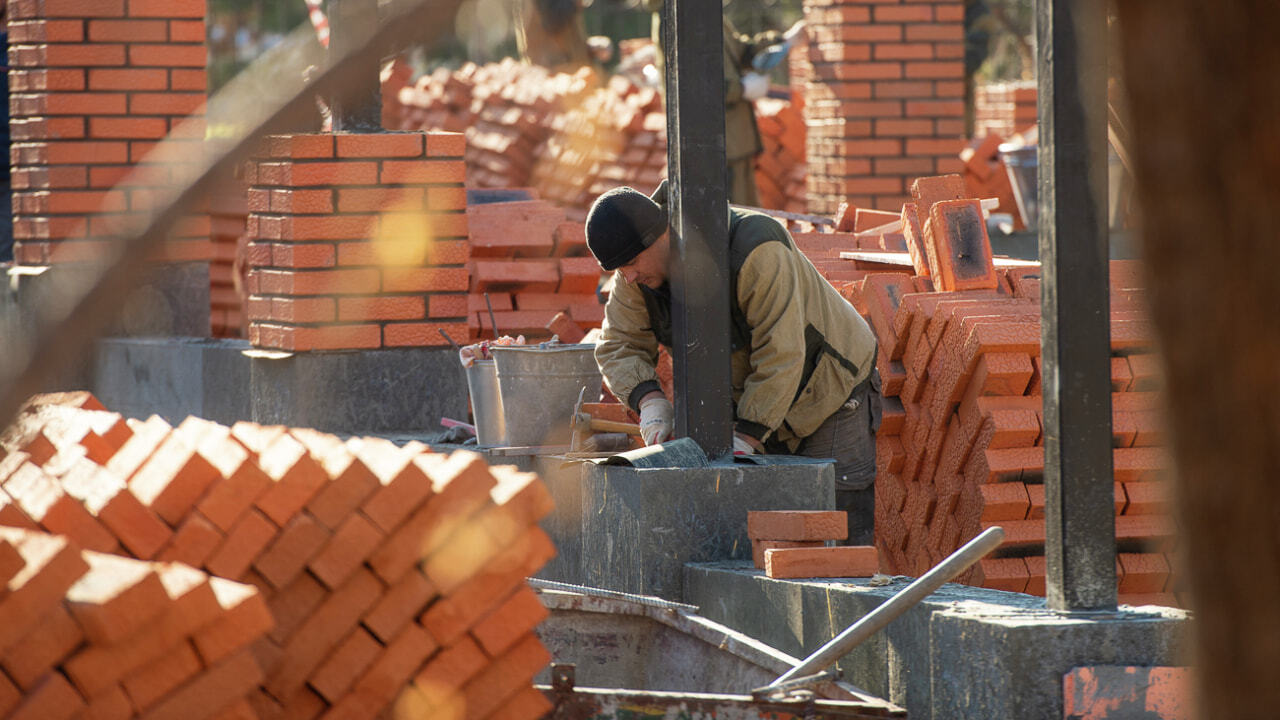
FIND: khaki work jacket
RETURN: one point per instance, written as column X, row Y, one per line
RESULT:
column 799, row 349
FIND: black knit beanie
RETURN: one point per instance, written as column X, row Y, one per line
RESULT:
column 622, row 223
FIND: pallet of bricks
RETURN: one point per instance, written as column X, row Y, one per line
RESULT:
column 242, row 572
column 961, row 446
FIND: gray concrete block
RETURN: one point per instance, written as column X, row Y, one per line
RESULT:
column 139, row 377
column 639, row 526
column 963, row 652
column 226, row 381
column 368, row 391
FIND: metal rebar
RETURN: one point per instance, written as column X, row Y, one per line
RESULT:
column 872, row 622
column 610, row 594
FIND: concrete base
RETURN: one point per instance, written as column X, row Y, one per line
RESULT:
column 964, row 652
column 633, row 530
column 173, row 378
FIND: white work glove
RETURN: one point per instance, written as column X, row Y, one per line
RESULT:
column 657, row 418
column 742, row 447
column 754, row 86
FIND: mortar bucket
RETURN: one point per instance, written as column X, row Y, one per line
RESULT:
column 486, row 402
column 539, row 387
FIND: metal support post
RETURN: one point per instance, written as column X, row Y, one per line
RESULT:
column 699, row 223
column 1071, row 68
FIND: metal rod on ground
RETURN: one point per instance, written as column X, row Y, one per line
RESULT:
column 492, row 323
column 869, row 624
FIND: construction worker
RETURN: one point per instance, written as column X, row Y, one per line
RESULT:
column 742, row 87
column 803, row 360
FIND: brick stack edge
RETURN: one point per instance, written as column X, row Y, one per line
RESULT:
column 260, row 572
column 1004, row 108
column 961, row 446
column 94, row 86
column 357, row 241
column 884, row 98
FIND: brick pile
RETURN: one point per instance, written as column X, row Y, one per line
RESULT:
column 357, row 241
column 228, row 213
column 374, row 576
column 986, row 176
column 1004, row 108
column 884, row 98
column 793, row 544
column 961, row 444
column 534, row 264
column 93, row 88
column 88, row 634
column 573, row 136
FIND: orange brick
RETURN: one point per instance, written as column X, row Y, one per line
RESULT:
column 402, row 485
column 315, row 639
column 94, row 669
column 147, row 436
column 461, row 484
column 402, row 602
column 53, row 698
column 173, row 479
column 1143, row 572
column 244, row 619
column 45, row 502
column 193, row 542
column 345, row 550
column 240, row 481
column 240, row 546
column 846, row 561
column 1004, row 574
column 105, row 496
column 10, row 695
column 295, row 476
column 218, row 687
column 958, row 246
column 507, row 675
column 170, row 671
column 1005, row 501
column 293, row 605
column 507, row 623
column 349, row 660
column 1147, row 498
column 758, row 547
column 448, row 671
column 111, row 704
column 46, row 645
column 380, row 145
column 116, row 597
column 523, row 496
column 797, row 525
column 403, row 657
column 295, row 545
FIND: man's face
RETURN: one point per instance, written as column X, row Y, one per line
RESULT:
column 649, row 268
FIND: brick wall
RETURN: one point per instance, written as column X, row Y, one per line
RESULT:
column 1004, row 108
column 884, row 98
column 94, row 86
column 357, row 241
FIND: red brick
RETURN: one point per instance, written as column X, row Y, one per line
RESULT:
column 116, row 597
column 507, row 675
column 846, row 561
column 423, row 334
column 446, row 144
column 353, row 541
column 168, row 8
column 379, row 685
column 380, row 145
column 181, row 79
column 166, row 103
column 379, row 199
column 758, row 548
column 1004, row 574
column 193, row 542
column 10, row 695
column 295, row 476
column 956, row 235
column 173, row 479
column 298, row 542
column 134, row 128
column 449, row 671
column 52, row 698
column 403, row 486
column 349, row 660
column 167, row 55
column 422, row 171
column 315, row 639
column 44, row 501
column 797, row 525
column 1004, row 501
column 218, row 687
column 39, row 31
column 446, row 198
column 163, row 675
column 437, row 279
column 507, row 623
column 182, row 31
column 1147, row 498
column 241, row 545
column 47, row 644
column 1143, row 572
column 240, row 480
column 128, row 31
column 244, row 619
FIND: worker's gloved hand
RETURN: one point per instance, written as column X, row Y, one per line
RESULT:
column 657, row 420
column 741, row 446
column 754, row 86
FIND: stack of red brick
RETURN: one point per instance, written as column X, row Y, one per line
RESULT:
column 986, row 176
column 533, row 263
column 961, row 446
column 94, row 87
column 1004, row 108
column 793, row 544
column 780, row 167
column 375, row 575
column 884, row 98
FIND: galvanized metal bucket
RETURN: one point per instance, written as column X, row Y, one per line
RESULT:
column 486, row 402
column 539, row 387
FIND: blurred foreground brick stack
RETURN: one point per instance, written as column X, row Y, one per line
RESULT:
column 1004, row 108
column 357, row 241
column 94, row 87
column 374, row 576
column 961, row 444
column 533, row 263
column 884, row 98
column 573, row 136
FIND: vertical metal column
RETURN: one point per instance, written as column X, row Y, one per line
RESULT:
column 356, row 108
column 1075, row 304
column 694, row 43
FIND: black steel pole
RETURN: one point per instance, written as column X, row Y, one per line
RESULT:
column 1080, row 547
column 357, row 108
column 694, row 47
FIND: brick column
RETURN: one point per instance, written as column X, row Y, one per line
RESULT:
column 94, row 86
column 884, row 99
column 357, row 241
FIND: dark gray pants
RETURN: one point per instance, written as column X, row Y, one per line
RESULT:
column 849, row 436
